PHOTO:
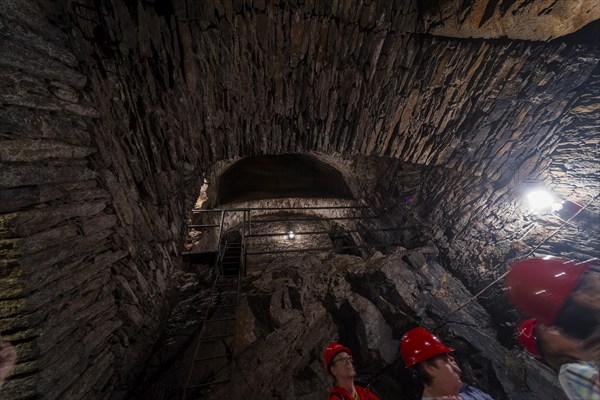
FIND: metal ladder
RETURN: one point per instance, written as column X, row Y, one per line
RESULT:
column 212, row 362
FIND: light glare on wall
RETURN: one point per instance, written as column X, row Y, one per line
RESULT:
column 540, row 201
column 291, row 235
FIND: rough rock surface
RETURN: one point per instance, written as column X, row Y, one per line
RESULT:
column 520, row 19
column 291, row 308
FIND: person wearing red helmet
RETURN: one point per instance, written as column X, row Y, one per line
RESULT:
column 337, row 360
column 577, row 376
column 557, row 293
column 433, row 363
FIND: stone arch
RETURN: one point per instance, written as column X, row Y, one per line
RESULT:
column 280, row 176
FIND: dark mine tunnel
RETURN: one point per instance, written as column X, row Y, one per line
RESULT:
column 198, row 197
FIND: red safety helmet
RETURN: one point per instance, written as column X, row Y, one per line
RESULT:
column 527, row 336
column 332, row 350
column 418, row 345
column 540, row 287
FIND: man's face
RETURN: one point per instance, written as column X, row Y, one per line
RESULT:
column 446, row 375
column 557, row 348
column 588, row 295
column 341, row 366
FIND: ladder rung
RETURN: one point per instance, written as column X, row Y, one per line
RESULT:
column 203, row 225
column 209, row 338
column 230, row 293
column 230, row 300
column 209, row 383
column 214, row 357
column 220, row 320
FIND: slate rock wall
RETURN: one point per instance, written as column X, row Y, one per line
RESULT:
column 89, row 225
column 520, row 19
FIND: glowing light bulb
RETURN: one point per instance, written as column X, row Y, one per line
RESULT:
column 540, row 201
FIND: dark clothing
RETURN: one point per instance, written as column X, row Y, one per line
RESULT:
column 338, row 393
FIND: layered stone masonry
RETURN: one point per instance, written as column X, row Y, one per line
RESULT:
column 103, row 152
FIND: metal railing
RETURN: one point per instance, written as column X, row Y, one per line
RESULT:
column 250, row 222
column 220, row 316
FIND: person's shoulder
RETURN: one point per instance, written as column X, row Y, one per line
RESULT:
column 338, row 393
column 365, row 393
column 578, row 367
column 581, row 369
column 472, row 393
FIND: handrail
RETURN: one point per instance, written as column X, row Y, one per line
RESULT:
column 311, row 219
column 277, row 208
column 358, row 246
column 328, row 232
column 219, row 255
column 248, row 221
column 201, row 332
column 203, row 225
column 243, row 254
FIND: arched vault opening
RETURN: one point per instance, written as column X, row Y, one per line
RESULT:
column 281, row 176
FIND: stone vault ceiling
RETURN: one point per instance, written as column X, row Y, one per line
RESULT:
column 113, row 112
column 368, row 78
column 436, row 84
